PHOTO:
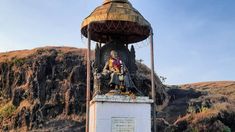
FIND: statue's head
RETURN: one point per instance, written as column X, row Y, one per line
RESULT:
column 114, row 54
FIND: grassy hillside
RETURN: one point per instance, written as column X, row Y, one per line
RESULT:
column 199, row 107
column 226, row 88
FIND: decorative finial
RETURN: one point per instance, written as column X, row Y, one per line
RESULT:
column 107, row 1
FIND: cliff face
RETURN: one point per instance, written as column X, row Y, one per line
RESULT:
column 45, row 89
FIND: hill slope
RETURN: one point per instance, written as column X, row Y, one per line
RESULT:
column 226, row 88
column 44, row 89
column 206, row 106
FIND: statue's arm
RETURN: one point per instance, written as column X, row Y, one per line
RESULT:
column 106, row 68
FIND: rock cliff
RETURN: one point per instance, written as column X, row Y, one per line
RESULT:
column 44, row 89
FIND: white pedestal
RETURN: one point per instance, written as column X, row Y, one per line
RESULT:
column 120, row 114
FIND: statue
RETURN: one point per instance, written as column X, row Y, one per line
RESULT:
column 114, row 68
column 117, row 71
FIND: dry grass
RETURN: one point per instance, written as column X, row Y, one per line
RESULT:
column 210, row 113
column 226, row 88
column 207, row 114
column 21, row 54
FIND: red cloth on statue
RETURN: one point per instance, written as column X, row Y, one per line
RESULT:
column 115, row 64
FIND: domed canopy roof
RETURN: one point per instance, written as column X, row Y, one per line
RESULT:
column 116, row 19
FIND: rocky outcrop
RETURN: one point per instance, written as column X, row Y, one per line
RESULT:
column 207, row 106
column 45, row 88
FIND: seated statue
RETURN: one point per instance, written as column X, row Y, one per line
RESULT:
column 118, row 73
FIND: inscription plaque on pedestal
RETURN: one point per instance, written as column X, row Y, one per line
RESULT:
column 123, row 124
column 120, row 113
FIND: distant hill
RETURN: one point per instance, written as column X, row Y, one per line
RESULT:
column 199, row 107
column 226, row 88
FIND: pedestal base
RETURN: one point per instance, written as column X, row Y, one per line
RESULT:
column 120, row 113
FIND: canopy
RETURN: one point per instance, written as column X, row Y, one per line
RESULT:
column 116, row 19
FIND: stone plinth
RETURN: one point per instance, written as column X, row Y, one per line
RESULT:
column 120, row 114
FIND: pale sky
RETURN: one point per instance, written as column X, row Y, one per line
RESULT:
column 194, row 39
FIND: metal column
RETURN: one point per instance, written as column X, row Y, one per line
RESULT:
column 152, row 81
column 88, row 83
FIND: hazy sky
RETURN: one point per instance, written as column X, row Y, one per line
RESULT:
column 194, row 39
